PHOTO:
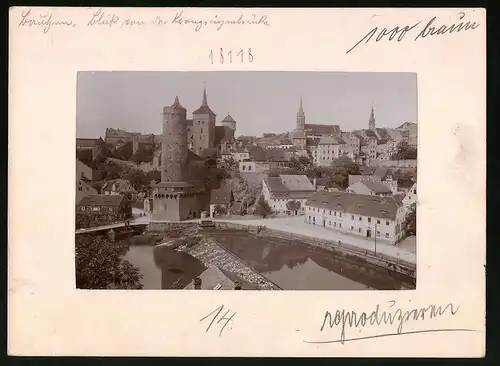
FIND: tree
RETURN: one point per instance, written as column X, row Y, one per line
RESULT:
column 262, row 208
column 231, row 164
column 125, row 152
column 142, row 155
column 137, row 178
column 220, row 210
column 405, row 152
column 293, row 205
column 410, row 223
column 342, row 167
column 100, row 264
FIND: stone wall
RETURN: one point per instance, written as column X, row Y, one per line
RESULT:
column 397, row 265
column 170, row 228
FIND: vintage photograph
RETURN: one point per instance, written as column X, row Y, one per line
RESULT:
column 246, row 180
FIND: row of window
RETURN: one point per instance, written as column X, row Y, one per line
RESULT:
column 110, row 209
column 314, row 209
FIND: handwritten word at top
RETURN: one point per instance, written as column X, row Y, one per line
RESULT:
column 44, row 21
column 217, row 319
column 419, row 30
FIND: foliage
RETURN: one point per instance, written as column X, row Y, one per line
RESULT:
column 262, row 208
column 342, row 167
column 411, row 220
column 85, row 156
column 245, row 193
column 137, row 178
column 301, row 164
column 293, row 205
column 125, row 152
column 405, row 152
column 100, row 264
column 220, row 210
column 86, row 220
column 231, row 164
column 404, row 178
column 142, row 155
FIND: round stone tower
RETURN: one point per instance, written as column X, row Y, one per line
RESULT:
column 174, row 145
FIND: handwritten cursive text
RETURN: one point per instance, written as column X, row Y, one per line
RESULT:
column 398, row 33
column 44, row 21
column 392, row 316
column 216, row 315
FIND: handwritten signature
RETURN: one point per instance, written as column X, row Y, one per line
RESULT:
column 397, row 316
column 429, row 30
column 224, row 319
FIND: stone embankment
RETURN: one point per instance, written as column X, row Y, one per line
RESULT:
column 210, row 253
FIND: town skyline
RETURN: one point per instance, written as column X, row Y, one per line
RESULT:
column 134, row 101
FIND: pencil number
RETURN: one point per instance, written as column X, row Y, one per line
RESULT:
column 227, row 56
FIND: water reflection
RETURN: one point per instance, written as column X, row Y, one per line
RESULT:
column 162, row 267
column 293, row 266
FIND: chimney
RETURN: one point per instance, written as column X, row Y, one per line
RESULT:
column 237, row 285
column 197, row 283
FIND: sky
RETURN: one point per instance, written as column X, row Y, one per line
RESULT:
column 260, row 102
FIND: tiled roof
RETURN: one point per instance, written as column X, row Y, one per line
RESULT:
column 221, row 196
column 357, row 204
column 276, row 154
column 370, row 134
column 382, row 141
column 275, row 185
column 204, row 109
column 101, row 200
column 375, row 186
column 381, row 172
column 120, row 184
column 328, row 141
column 322, row 129
column 366, row 170
column 382, row 132
column 297, row 182
column 228, row 118
column 354, row 178
column 257, row 153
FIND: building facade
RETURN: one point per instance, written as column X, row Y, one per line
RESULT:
column 278, row 191
column 369, row 217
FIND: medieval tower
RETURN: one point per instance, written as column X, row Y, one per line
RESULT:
column 203, row 126
column 174, row 145
column 178, row 196
column 371, row 121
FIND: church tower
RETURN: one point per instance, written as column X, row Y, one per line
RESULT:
column 301, row 117
column 371, row 121
column 203, row 126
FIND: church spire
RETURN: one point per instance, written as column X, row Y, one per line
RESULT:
column 371, row 121
column 301, row 102
column 176, row 101
column 301, row 116
column 204, row 101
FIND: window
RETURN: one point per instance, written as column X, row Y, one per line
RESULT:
column 314, row 218
column 359, row 230
column 242, row 167
column 387, row 235
column 352, row 217
column 340, row 226
column 334, row 224
column 80, row 189
column 369, row 219
column 352, row 228
column 83, row 208
column 329, row 222
column 387, row 223
column 340, row 214
column 415, row 191
column 96, row 208
column 378, row 221
column 334, row 213
column 330, row 212
column 82, row 175
column 202, row 130
column 360, row 218
column 378, row 233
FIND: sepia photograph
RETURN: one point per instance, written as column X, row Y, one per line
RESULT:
column 246, row 180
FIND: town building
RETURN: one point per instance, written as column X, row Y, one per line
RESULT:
column 83, row 188
column 229, row 121
column 117, row 205
column 410, row 197
column 409, row 132
column 369, row 187
column 222, row 197
column 370, row 217
column 117, row 187
column 95, row 147
column 278, row 191
column 327, row 150
column 182, row 194
column 353, row 146
column 83, row 171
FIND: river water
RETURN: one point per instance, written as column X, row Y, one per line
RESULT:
column 290, row 265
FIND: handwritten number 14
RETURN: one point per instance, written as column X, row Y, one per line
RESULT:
column 228, row 57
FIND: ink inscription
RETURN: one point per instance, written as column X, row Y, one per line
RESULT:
column 217, row 320
column 45, row 21
column 430, row 29
column 345, row 320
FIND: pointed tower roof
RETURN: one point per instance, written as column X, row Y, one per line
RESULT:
column 204, row 109
column 228, row 118
column 301, row 102
column 175, row 107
